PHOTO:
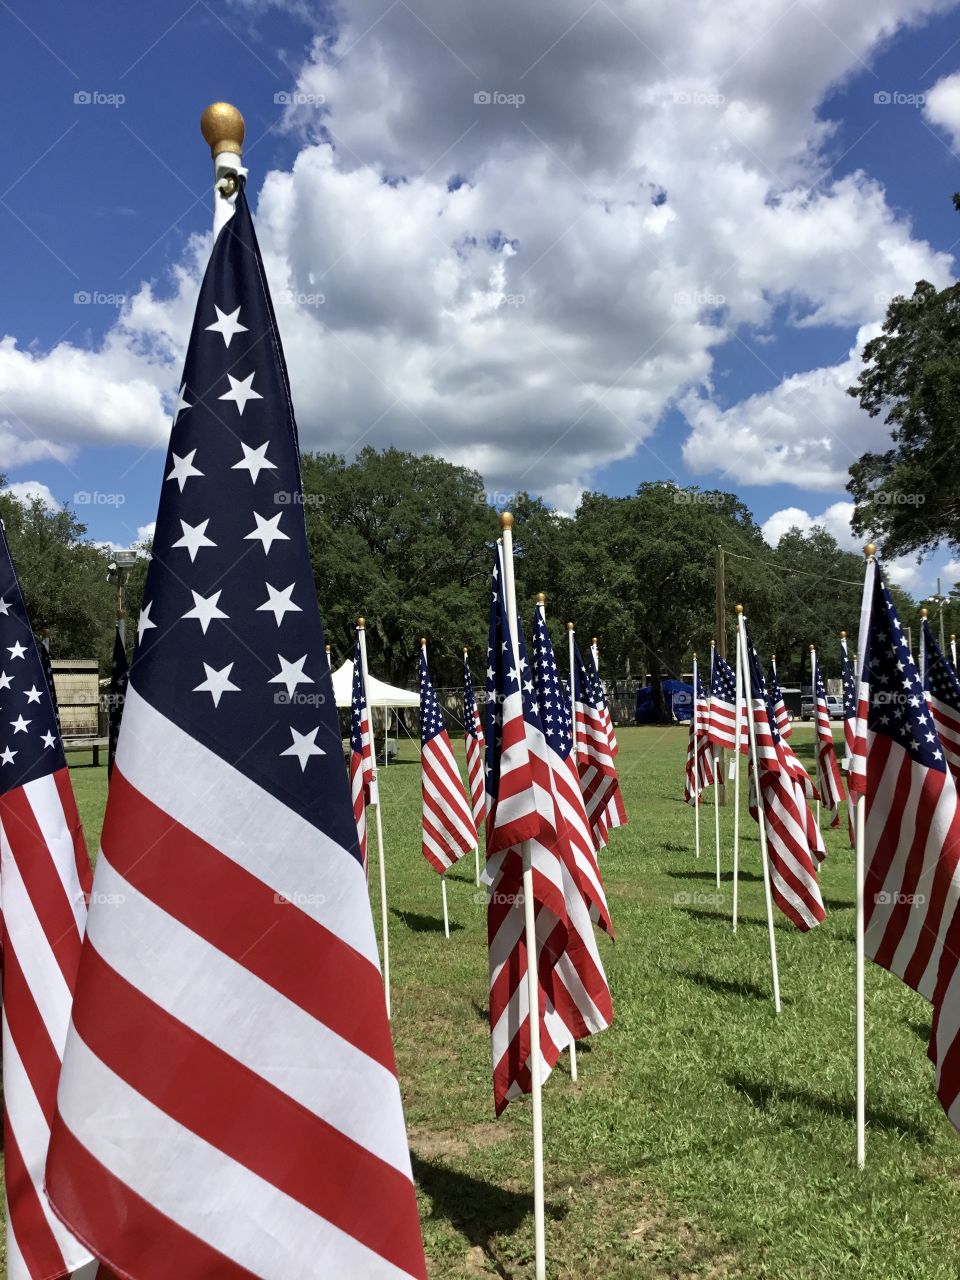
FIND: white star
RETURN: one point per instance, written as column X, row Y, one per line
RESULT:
column 49, row 740
column 16, row 650
column 32, row 695
column 183, row 468
column 143, row 622
column 226, row 325
column 241, row 390
column 4, row 607
column 217, row 683
column 180, row 405
column 20, row 725
column 291, row 674
column 194, row 537
column 304, row 746
column 254, row 460
column 205, row 609
column 267, row 531
column 6, row 757
column 279, row 602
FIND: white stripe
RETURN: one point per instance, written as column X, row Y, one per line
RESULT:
column 248, row 1019
column 244, row 822
column 44, row 800
column 29, row 1128
column 243, row 1216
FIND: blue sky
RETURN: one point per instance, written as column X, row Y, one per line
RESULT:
column 103, row 196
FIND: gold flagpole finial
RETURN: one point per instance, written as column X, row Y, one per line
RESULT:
column 923, row 613
column 843, row 635
column 738, row 608
column 223, row 128
column 870, row 550
column 506, row 519
column 361, row 623
column 423, row 642
column 541, row 597
column 570, row 626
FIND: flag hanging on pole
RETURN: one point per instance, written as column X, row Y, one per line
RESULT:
column 474, row 746
column 229, row 1104
column 363, row 782
column 829, row 782
column 615, row 814
column 598, row 772
column 781, row 715
column 786, row 818
column 722, row 708
column 943, row 694
column 119, row 671
column 574, row 999
column 849, row 681
column 699, row 768
column 448, row 827
column 44, row 877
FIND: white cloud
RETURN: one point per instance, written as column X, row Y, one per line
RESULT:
column 943, row 106
column 835, row 519
column 661, row 182
column 25, row 490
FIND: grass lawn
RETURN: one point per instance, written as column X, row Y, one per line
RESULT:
column 706, row 1137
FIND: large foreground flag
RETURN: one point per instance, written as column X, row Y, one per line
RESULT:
column 448, row 827
column 912, row 824
column 786, row 818
column 829, row 782
column 228, row 1105
column 573, row 996
column 474, row 746
column 362, row 778
column 44, row 877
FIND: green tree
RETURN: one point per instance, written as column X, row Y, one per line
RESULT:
column 907, row 496
column 63, row 578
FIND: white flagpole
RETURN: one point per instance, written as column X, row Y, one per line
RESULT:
column 953, row 650
column 443, row 878
column 530, row 929
column 768, row 894
column 738, row 712
column 816, row 722
column 476, row 847
column 541, row 599
column 923, row 652
column 375, row 802
column 696, row 764
column 716, row 775
column 860, row 854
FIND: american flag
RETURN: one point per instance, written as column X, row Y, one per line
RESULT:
column 44, row 877
column 699, row 768
column 849, row 681
column 781, row 715
column 553, row 708
column 829, row 782
column 363, row 781
column 119, row 673
column 594, row 754
column 615, row 814
column 786, row 817
column 912, row 824
column 722, row 705
column 574, row 999
column 228, row 1104
column 943, row 693
column 474, row 745
column 449, row 830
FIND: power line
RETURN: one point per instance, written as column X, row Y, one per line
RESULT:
column 804, row 573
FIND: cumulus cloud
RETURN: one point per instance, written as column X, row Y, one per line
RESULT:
column 27, row 490
column 519, row 253
column 835, row 519
column 942, row 106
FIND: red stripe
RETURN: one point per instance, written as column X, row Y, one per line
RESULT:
column 185, row 876
column 29, row 1033
column 42, row 881
column 252, row 1121
column 37, row 1242
column 68, row 803
column 136, row 1240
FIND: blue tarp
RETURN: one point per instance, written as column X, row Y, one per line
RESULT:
column 677, row 694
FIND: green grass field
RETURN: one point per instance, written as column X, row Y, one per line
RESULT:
column 706, row 1137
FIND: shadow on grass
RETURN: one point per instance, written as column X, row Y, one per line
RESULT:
column 921, row 1030
column 724, row 918
column 712, row 875
column 763, row 1095
column 726, row 987
column 838, row 904
column 417, row 923
column 481, row 1011
column 477, row 1209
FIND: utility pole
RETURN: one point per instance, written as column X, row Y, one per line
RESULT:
column 720, row 638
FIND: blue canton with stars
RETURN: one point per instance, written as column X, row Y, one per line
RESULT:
column 551, row 692
column 469, row 701
column 30, row 744
column 942, row 680
column 898, row 708
column 821, row 690
column 722, row 684
column 849, row 678
column 431, row 717
column 502, row 676
column 358, row 704
column 230, row 645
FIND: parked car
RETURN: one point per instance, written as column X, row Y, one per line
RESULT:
column 834, row 706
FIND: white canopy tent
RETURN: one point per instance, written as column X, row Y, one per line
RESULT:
column 379, row 694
